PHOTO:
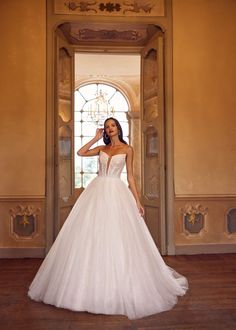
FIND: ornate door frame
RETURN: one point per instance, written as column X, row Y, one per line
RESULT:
column 153, row 139
column 166, row 25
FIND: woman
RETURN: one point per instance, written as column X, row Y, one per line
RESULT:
column 104, row 259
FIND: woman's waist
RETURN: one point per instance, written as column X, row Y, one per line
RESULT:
column 109, row 176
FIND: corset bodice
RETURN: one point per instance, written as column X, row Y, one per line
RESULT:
column 111, row 166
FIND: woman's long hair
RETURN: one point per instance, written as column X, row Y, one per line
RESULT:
column 106, row 138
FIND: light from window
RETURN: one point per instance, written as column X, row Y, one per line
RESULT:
column 93, row 104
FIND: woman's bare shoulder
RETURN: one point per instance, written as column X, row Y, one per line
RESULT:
column 102, row 147
column 128, row 151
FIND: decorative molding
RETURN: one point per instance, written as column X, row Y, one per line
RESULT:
column 84, row 33
column 198, row 197
column 106, row 7
column 151, row 187
column 78, row 33
column 23, row 222
column 138, row 7
column 206, row 228
column 193, row 218
column 204, row 249
column 231, row 221
column 81, row 6
column 18, row 252
column 151, row 109
column 107, row 35
column 151, row 142
column 133, row 115
column 22, row 198
column 109, row 6
column 192, row 212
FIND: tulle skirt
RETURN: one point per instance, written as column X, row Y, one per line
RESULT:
column 104, row 259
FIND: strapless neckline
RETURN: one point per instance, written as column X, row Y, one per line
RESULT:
column 112, row 155
column 111, row 166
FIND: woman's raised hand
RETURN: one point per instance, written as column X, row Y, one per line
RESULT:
column 99, row 133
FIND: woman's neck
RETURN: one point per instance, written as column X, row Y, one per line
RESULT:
column 115, row 142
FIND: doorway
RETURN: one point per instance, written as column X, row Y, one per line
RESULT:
column 151, row 120
column 106, row 85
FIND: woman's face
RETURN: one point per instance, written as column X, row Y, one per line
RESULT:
column 110, row 128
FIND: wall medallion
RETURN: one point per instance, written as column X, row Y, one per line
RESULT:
column 193, row 218
column 23, row 222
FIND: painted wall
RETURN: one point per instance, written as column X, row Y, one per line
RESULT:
column 23, row 97
column 204, row 81
column 22, row 127
column 204, row 69
column 204, row 52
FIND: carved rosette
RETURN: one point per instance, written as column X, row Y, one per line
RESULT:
column 23, row 221
column 193, row 218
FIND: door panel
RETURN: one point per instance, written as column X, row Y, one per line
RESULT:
column 153, row 144
column 64, row 128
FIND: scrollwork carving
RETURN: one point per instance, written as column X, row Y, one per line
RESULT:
column 23, row 221
column 88, row 34
column 192, row 211
column 83, row 6
column 136, row 7
column 151, row 187
column 193, row 218
column 119, row 7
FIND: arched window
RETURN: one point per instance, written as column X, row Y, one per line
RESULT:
column 93, row 104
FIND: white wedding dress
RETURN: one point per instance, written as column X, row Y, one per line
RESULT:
column 104, row 259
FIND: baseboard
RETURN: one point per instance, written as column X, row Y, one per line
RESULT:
column 205, row 249
column 179, row 249
column 22, row 252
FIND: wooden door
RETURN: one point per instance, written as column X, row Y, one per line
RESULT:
column 153, row 142
column 64, row 132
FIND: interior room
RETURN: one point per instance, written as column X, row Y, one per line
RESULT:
column 166, row 71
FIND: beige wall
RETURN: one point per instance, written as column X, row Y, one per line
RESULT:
column 204, row 80
column 204, row 52
column 23, row 97
column 204, row 73
column 22, row 127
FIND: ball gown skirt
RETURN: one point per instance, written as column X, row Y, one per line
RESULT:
column 104, row 259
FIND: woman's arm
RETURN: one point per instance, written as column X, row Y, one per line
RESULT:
column 131, row 180
column 86, row 151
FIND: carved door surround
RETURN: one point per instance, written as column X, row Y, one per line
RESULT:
column 64, row 132
column 102, row 34
column 153, row 137
column 97, row 36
